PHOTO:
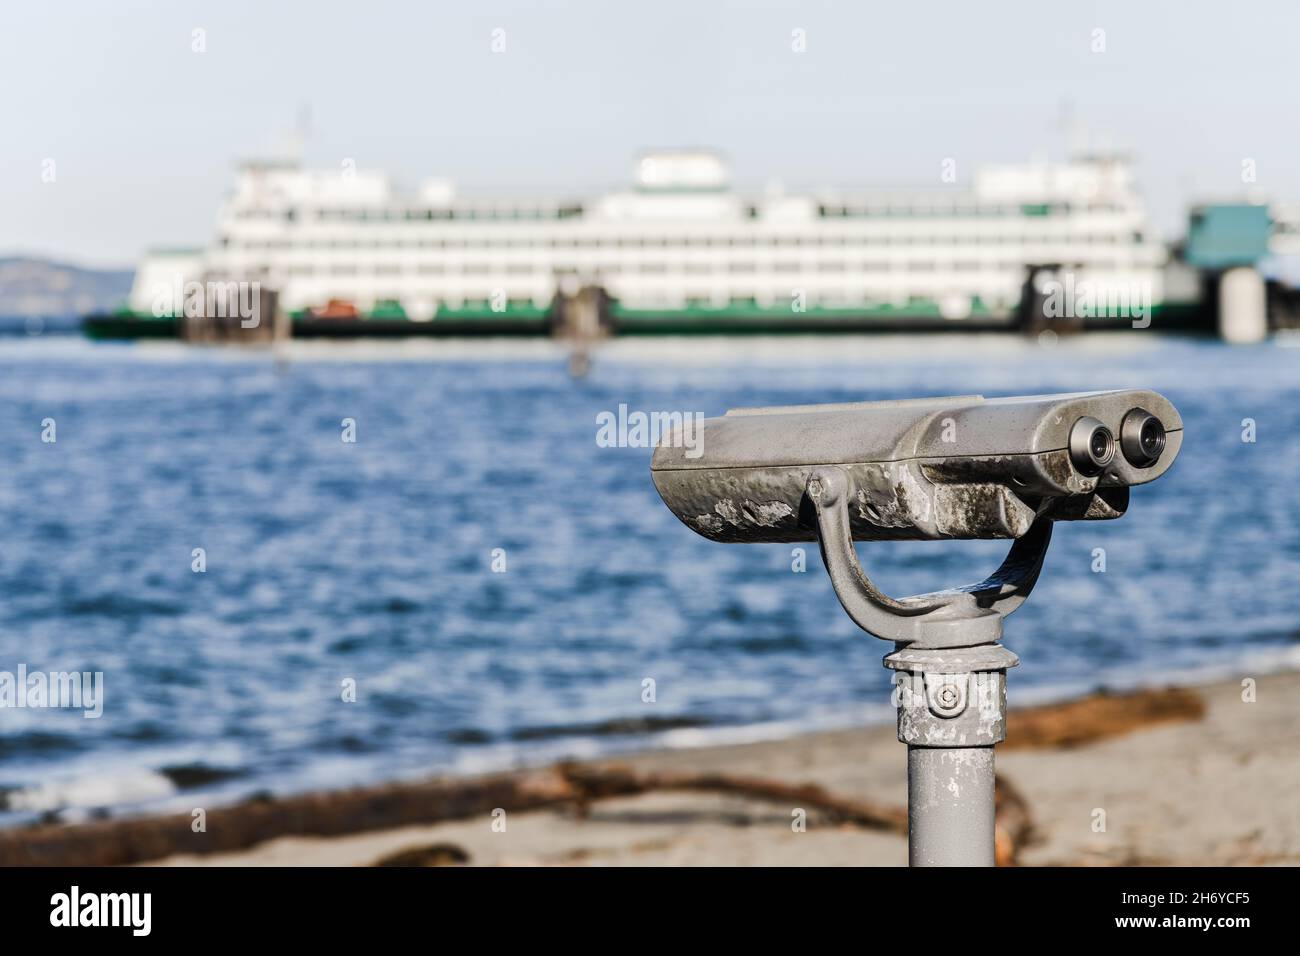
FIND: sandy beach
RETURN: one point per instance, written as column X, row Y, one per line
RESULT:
column 1218, row 790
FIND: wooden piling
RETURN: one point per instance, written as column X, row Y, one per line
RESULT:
column 222, row 311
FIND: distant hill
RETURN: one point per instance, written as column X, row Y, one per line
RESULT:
column 56, row 293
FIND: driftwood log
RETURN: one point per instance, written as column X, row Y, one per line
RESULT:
column 334, row 813
column 1099, row 716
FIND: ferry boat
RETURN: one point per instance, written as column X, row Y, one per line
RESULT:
column 678, row 250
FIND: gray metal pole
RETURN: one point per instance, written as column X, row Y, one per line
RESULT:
column 950, row 806
column 952, row 709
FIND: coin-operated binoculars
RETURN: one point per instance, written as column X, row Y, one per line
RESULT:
column 927, row 469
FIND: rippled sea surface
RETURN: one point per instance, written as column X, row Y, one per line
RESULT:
column 373, row 561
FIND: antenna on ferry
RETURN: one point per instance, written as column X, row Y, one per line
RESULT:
column 1076, row 136
column 304, row 121
column 296, row 140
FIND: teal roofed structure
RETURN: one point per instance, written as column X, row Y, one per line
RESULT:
column 1224, row 236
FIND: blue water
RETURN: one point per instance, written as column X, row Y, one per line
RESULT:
column 372, row 561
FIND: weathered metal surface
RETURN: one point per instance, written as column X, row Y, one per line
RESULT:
column 950, row 806
column 892, row 501
column 976, row 717
column 1106, row 504
column 932, row 469
column 940, row 428
column 956, row 660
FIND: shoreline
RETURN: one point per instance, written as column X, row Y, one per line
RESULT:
column 1178, row 775
column 863, row 717
column 689, row 350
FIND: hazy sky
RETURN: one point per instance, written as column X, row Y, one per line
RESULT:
column 144, row 132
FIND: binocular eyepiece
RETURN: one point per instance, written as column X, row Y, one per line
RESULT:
column 1092, row 446
column 930, row 468
column 1142, row 439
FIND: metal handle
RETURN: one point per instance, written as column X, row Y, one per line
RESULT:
column 959, row 617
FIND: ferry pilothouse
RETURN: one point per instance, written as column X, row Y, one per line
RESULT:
column 680, row 249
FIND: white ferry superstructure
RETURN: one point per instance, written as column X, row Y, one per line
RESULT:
column 679, row 248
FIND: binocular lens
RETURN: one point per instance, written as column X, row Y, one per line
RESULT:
column 1101, row 444
column 1142, row 437
column 1092, row 446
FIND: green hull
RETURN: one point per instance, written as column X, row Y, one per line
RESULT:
column 736, row 318
column 752, row 318
column 388, row 320
column 129, row 325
